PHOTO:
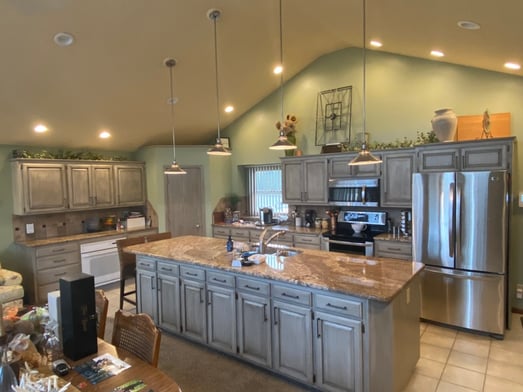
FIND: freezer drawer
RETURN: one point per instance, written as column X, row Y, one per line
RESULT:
column 464, row 299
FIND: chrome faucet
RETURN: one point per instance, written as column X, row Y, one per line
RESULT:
column 262, row 244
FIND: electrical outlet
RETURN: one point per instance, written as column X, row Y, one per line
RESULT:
column 29, row 228
column 519, row 291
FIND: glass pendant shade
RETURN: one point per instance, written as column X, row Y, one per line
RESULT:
column 283, row 143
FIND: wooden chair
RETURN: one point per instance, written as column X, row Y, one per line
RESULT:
column 102, row 306
column 128, row 263
column 137, row 334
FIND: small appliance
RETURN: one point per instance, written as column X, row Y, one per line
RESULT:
column 310, row 217
column 266, row 216
column 357, row 192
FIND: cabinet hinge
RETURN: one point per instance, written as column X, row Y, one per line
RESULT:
column 362, row 328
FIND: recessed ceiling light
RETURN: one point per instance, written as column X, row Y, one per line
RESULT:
column 40, row 128
column 229, row 108
column 468, row 25
column 278, row 69
column 63, row 39
column 437, row 53
column 512, row 66
column 376, row 44
column 104, row 135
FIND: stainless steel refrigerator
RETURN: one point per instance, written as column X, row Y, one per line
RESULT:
column 460, row 231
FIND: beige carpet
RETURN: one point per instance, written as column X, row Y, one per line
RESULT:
column 197, row 368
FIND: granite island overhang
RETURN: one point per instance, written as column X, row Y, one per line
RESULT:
column 378, row 279
column 326, row 319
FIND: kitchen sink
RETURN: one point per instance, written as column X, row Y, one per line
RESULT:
column 284, row 252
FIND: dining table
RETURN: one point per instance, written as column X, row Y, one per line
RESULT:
column 154, row 379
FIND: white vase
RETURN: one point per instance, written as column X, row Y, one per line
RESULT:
column 444, row 124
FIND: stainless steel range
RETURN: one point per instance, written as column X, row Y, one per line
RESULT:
column 345, row 239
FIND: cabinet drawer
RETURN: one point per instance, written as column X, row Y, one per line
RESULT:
column 343, row 306
column 57, row 260
column 53, row 275
column 57, row 249
column 311, row 240
column 192, row 273
column 252, row 286
column 291, row 294
column 145, row 263
column 394, row 249
column 167, row 268
column 240, row 234
column 221, row 232
column 220, row 278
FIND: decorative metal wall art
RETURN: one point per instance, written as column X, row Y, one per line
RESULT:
column 333, row 116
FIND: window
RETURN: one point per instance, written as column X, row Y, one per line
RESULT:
column 264, row 188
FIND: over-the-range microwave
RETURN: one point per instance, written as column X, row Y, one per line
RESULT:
column 363, row 192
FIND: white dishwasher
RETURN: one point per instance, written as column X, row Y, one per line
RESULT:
column 100, row 259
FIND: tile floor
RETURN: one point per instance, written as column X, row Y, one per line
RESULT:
column 456, row 361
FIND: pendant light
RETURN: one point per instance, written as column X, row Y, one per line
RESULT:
column 282, row 143
column 364, row 157
column 218, row 148
column 174, row 168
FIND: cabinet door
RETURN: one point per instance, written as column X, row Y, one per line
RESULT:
column 146, row 293
column 194, row 324
column 79, row 186
column 44, row 187
column 169, row 303
column 254, row 328
column 396, row 184
column 393, row 249
column 102, row 190
column 338, row 353
column 438, row 160
column 292, row 340
column 221, row 318
column 315, row 186
column 491, row 157
column 292, row 177
column 130, row 184
column 339, row 167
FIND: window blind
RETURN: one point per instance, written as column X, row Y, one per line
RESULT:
column 265, row 188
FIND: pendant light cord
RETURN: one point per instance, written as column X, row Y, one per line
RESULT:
column 215, row 16
column 170, row 64
column 364, row 57
column 281, row 65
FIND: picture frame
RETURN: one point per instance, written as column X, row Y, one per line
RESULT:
column 226, row 141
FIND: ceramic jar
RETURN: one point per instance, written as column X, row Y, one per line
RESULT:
column 444, row 124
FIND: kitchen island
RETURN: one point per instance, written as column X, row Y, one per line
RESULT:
column 330, row 320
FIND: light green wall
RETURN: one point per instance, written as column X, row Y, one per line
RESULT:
column 402, row 94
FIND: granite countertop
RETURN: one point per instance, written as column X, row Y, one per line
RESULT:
column 390, row 237
column 292, row 228
column 366, row 277
column 79, row 237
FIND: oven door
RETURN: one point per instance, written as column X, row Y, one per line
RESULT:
column 355, row 248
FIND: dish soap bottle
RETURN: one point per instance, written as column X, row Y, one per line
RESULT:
column 229, row 244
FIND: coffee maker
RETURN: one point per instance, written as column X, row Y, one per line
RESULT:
column 310, row 216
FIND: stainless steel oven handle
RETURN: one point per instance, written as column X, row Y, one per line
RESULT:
column 360, row 244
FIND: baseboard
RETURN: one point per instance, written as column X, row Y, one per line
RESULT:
column 517, row 310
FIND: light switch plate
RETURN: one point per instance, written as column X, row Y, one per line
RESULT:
column 29, row 228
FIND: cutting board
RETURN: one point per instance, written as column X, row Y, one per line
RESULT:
column 470, row 127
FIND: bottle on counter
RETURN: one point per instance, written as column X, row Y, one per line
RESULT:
column 230, row 244
column 297, row 220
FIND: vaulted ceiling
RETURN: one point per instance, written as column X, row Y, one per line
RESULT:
column 113, row 76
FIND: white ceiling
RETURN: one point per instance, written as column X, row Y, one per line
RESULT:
column 113, row 76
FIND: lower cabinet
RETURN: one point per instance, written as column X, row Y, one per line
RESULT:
column 146, row 287
column 254, row 321
column 193, row 306
column 221, row 311
column 168, row 283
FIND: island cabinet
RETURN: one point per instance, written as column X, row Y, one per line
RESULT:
column 221, row 311
column 168, row 296
column 193, row 306
column 292, row 332
column 488, row 154
column 304, row 180
column 254, row 320
column 396, row 179
column 147, row 287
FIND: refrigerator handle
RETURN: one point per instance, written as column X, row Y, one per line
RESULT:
column 452, row 217
column 457, row 215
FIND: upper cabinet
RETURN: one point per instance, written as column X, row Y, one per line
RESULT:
column 339, row 167
column 41, row 186
column 396, row 180
column 304, row 180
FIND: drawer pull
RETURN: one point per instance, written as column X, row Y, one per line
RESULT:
column 61, row 274
column 252, row 288
column 336, row 306
column 290, row 295
column 191, row 274
column 59, row 261
column 58, row 250
column 395, row 249
column 219, row 280
column 145, row 265
column 166, row 269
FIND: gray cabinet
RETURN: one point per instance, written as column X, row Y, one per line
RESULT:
column 38, row 187
column 221, row 232
column 221, row 311
column 168, row 294
column 396, row 179
column 339, row 167
column 305, row 181
column 254, row 321
column 129, row 184
column 308, row 241
column 90, row 186
column 146, row 285
column 292, row 332
column 193, row 306
column 338, row 343
column 393, row 249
